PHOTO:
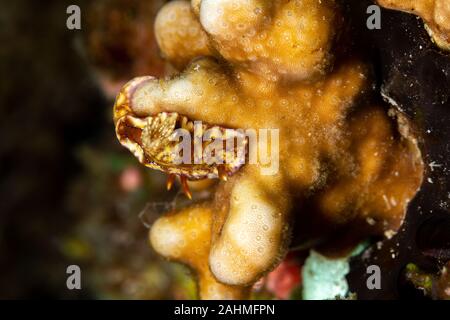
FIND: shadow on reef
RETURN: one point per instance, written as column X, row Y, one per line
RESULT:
column 414, row 74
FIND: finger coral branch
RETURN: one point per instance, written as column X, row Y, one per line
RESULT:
column 185, row 237
column 179, row 34
column 275, row 39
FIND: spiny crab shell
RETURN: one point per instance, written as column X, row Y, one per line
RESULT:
column 153, row 140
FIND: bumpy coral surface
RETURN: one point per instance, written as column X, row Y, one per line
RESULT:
column 435, row 13
column 187, row 238
column 344, row 163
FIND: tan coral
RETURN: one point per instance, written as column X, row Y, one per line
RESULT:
column 273, row 38
column 435, row 13
column 179, row 35
column 340, row 161
column 185, row 237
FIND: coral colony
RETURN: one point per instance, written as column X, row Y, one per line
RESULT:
column 347, row 167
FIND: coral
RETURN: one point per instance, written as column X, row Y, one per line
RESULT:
column 344, row 164
column 179, row 34
column 435, row 13
column 185, row 236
